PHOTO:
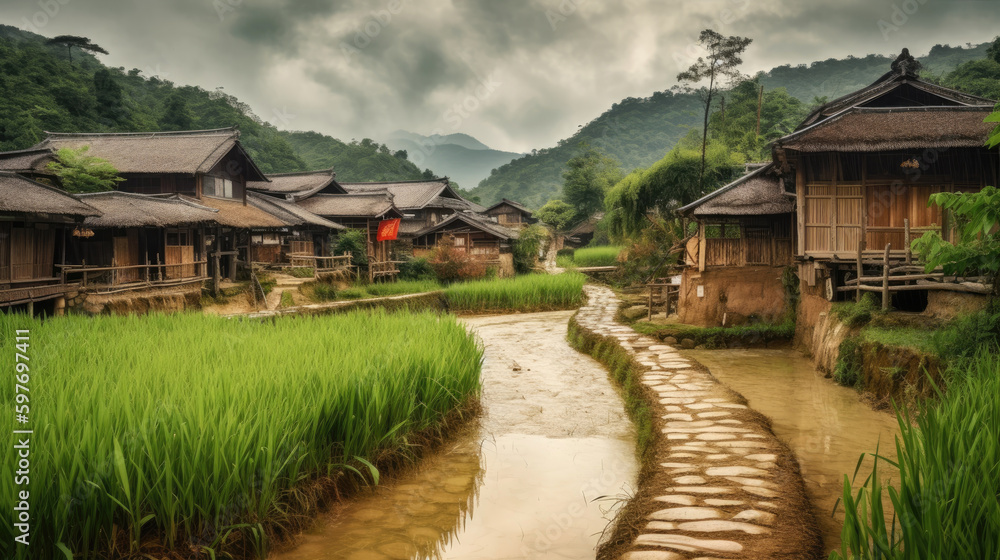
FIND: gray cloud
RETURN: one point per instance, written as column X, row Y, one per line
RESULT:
column 355, row 68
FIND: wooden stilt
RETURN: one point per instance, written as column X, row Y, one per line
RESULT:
column 885, row 279
column 861, row 248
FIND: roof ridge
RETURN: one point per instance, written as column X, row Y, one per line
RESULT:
column 302, row 173
column 233, row 130
column 408, row 181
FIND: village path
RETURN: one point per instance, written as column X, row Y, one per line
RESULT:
column 723, row 486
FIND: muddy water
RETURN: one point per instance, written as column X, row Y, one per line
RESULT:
column 825, row 425
column 529, row 479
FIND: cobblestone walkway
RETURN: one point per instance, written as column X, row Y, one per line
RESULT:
column 725, row 468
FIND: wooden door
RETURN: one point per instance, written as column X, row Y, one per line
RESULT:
column 888, row 207
column 45, row 253
column 126, row 250
column 22, row 254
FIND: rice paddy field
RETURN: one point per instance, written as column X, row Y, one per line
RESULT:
column 187, row 431
column 533, row 292
column 591, row 256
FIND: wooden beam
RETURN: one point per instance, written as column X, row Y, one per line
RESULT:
column 861, row 270
column 885, row 279
column 800, row 210
column 702, row 246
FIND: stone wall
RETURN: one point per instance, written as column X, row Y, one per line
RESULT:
column 139, row 302
column 732, row 295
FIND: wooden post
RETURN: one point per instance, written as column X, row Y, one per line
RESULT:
column 702, row 246
column 885, row 279
column 649, row 312
column 84, row 273
column 861, row 268
column 909, row 253
column 159, row 269
column 216, row 272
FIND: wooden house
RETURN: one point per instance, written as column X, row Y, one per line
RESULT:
column 209, row 168
column 362, row 211
column 473, row 234
column 862, row 169
column 744, row 241
column 36, row 222
column 423, row 203
column 511, row 214
column 287, row 188
column 583, row 233
column 140, row 241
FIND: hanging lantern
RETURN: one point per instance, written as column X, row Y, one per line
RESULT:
column 84, row 232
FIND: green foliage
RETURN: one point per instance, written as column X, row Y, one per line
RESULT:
column 301, row 271
column 977, row 250
column 287, row 299
column 671, row 182
column 945, row 483
column 355, row 242
column 588, row 177
column 354, row 161
column 978, row 77
column 780, row 114
column 994, row 140
column 526, row 247
column 404, row 287
column 597, row 256
column 74, row 41
column 178, row 441
column 416, row 269
column 556, row 213
column 849, row 370
column 857, row 314
column 80, row 173
column 722, row 337
column 321, row 291
column 531, row 292
column 961, row 339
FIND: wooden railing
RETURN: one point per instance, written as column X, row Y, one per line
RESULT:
column 139, row 275
column 906, row 276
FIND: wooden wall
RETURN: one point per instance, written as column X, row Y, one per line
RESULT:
column 27, row 252
column 748, row 241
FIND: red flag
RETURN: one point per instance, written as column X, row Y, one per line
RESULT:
column 388, row 230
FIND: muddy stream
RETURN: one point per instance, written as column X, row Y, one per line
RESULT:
column 825, row 425
column 536, row 476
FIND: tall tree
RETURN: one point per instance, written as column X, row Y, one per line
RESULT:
column 70, row 41
column 720, row 66
column 588, row 178
column 176, row 116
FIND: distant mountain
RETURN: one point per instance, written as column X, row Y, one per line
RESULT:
column 639, row 131
column 461, row 157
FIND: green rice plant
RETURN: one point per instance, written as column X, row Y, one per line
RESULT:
column 597, row 256
column 402, row 287
column 355, row 292
column 533, row 292
column 948, row 471
column 188, row 428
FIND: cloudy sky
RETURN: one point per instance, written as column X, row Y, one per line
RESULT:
column 517, row 74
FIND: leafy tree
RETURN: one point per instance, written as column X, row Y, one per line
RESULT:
column 80, row 173
column 557, row 214
column 177, row 116
column 993, row 53
column 671, row 182
column 109, row 95
column 588, row 178
column 719, row 66
column 353, row 241
column 70, row 41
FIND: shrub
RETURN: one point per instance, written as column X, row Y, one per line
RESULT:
column 416, row 269
column 526, row 248
column 324, row 292
column 960, row 340
column 453, row 265
column 355, row 242
column 287, row 300
column 857, row 314
column 849, row 370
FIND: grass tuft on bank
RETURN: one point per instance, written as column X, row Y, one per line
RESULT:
column 533, row 292
column 196, row 433
column 946, row 478
column 722, row 337
column 590, row 256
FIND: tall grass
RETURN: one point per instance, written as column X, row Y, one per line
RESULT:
column 186, row 427
column 947, row 504
column 534, row 292
column 402, row 287
column 597, row 256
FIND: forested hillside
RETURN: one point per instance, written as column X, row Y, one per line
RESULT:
column 639, row 131
column 40, row 89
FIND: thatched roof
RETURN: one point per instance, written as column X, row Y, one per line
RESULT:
column 24, row 196
column 414, row 195
column 124, row 210
column 362, row 205
column 471, row 220
column 757, row 193
column 587, row 226
column 232, row 213
column 186, row 152
column 897, row 89
column 301, row 184
column 25, row 161
column 289, row 212
column 513, row 204
column 870, row 129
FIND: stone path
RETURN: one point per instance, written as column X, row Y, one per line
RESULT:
column 724, row 479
